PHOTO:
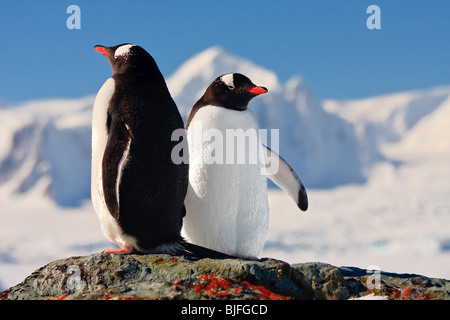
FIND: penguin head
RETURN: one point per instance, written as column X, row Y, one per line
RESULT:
column 127, row 57
column 233, row 90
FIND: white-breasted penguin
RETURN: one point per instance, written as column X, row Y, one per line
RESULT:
column 138, row 192
column 227, row 202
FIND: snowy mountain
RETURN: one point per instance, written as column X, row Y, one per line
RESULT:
column 402, row 123
column 45, row 145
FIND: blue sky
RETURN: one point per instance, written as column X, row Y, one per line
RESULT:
column 325, row 41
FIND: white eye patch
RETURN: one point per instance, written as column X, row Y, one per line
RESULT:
column 123, row 50
column 228, row 79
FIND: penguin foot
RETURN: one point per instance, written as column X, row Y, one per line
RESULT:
column 123, row 250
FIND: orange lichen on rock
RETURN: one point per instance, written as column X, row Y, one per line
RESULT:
column 218, row 286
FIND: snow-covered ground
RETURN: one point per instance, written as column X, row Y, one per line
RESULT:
column 398, row 221
column 377, row 171
column 35, row 232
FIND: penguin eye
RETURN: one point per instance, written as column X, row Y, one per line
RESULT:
column 231, row 87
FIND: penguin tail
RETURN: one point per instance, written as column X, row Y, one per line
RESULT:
column 184, row 248
column 194, row 251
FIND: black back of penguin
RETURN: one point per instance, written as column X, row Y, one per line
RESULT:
column 148, row 203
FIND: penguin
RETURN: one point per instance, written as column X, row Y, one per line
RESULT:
column 137, row 191
column 227, row 203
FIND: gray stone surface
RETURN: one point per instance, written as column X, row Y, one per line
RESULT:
column 106, row 276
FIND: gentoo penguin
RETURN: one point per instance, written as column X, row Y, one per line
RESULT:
column 137, row 190
column 227, row 203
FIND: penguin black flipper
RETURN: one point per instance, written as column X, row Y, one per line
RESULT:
column 114, row 158
column 286, row 178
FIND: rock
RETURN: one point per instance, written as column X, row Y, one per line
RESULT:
column 163, row 277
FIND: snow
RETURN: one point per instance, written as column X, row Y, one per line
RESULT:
column 398, row 221
column 376, row 171
column 36, row 231
column 47, row 139
column 371, row 296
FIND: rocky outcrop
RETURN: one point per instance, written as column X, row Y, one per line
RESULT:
column 106, row 276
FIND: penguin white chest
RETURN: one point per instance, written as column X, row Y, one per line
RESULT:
column 99, row 140
column 226, row 203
